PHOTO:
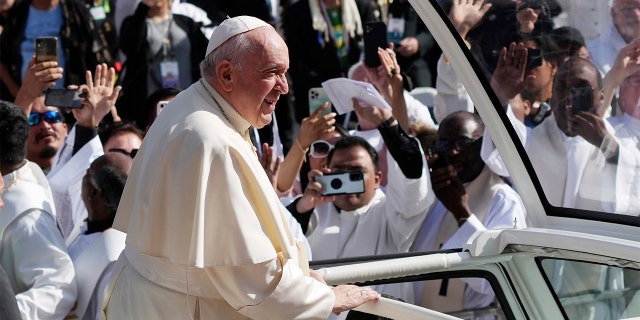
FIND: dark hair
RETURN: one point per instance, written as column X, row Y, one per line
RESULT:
column 152, row 101
column 110, row 179
column 119, row 127
column 550, row 50
column 347, row 142
column 14, row 130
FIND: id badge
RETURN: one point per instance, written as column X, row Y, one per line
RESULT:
column 395, row 29
column 170, row 74
column 98, row 13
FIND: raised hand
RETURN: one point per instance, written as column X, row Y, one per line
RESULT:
column 508, row 79
column 466, row 14
column 100, row 96
column 271, row 166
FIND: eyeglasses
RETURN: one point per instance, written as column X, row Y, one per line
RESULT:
column 49, row 116
column 131, row 154
column 458, row 144
column 320, row 149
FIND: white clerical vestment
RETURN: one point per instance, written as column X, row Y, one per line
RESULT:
column 387, row 224
column 206, row 234
column 65, row 179
column 32, row 250
column 627, row 183
column 495, row 205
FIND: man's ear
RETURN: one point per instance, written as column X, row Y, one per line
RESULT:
column 224, row 75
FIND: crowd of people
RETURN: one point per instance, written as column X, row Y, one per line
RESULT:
column 188, row 183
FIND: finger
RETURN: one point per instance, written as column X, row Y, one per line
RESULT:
column 111, row 77
column 318, row 111
column 89, row 79
column 115, row 93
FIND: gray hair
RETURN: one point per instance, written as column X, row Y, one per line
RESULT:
column 234, row 50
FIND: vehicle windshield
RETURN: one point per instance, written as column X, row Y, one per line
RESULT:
column 567, row 76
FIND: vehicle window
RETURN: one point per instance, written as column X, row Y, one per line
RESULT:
column 466, row 295
column 547, row 61
column 593, row 291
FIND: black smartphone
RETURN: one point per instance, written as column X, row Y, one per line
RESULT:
column 63, row 98
column 534, row 58
column 46, row 49
column 375, row 36
column 443, row 157
column 582, row 99
column 335, row 183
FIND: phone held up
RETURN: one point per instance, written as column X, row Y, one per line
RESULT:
column 63, row 98
column 374, row 37
column 582, row 99
column 336, row 183
column 46, row 49
column 318, row 96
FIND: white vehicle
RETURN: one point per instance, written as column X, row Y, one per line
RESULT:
column 568, row 263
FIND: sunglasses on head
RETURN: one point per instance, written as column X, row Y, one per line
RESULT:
column 131, row 154
column 320, row 149
column 50, row 116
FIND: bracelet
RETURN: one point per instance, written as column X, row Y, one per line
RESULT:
column 304, row 151
column 387, row 123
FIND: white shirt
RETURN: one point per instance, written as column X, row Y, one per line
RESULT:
column 591, row 18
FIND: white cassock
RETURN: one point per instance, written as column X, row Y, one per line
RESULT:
column 207, row 236
column 495, row 205
column 94, row 256
column 387, row 224
column 32, row 251
column 627, row 183
column 65, row 179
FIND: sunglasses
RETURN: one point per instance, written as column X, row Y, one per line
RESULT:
column 320, row 149
column 460, row 144
column 49, row 116
column 131, row 154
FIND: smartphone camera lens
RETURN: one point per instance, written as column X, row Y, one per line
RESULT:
column 336, row 183
column 355, row 176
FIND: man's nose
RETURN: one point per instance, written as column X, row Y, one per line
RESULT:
column 282, row 85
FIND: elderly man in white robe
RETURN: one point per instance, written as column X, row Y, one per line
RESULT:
column 207, row 236
column 32, row 250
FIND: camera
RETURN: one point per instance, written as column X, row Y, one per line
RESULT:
column 335, row 183
column 582, row 99
column 443, row 157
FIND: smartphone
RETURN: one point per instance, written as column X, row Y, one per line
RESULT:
column 335, row 183
column 443, row 157
column 375, row 36
column 534, row 58
column 582, row 99
column 63, row 98
column 318, row 96
column 160, row 105
column 46, row 49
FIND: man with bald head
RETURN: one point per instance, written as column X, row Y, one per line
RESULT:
column 94, row 253
column 471, row 198
column 207, row 237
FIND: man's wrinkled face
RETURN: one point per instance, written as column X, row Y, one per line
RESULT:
column 257, row 86
column 45, row 138
column 629, row 100
column 356, row 158
column 625, row 15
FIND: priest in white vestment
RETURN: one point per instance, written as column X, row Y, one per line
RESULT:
column 32, row 250
column 207, row 237
column 471, row 198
